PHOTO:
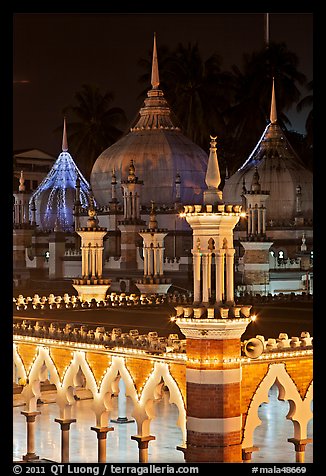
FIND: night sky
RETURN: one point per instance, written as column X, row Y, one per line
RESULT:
column 55, row 53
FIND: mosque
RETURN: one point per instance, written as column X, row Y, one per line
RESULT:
column 155, row 168
column 153, row 219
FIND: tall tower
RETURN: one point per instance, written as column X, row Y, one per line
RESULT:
column 92, row 284
column 213, row 327
column 131, row 223
column 257, row 244
column 22, row 227
column 153, row 281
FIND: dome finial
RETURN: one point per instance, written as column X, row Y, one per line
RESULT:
column 155, row 80
column 21, row 187
column 64, row 136
column 213, row 177
column 273, row 114
column 152, row 218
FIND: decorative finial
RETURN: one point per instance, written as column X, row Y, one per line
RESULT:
column 152, row 218
column 155, row 80
column 113, row 177
column 303, row 242
column 255, row 185
column 131, row 176
column 21, row 187
column 273, row 114
column 92, row 220
column 213, row 177
column 64, row 136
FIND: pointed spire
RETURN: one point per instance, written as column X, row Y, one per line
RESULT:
column 64, row 136
column 255, row 185
column 273, row 114
column 266, row 29
column 152, row 218
column 155, row 80
column 213, row 177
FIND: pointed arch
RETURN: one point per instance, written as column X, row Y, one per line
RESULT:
column 300, row 412
column 162, row 370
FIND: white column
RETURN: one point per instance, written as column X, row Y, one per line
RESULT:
column 249, row 220
column 155, row 261
column 219, row 275
column 125, row 204
column 264, row 219
column 145, row 260
column 205, row 276
column 259, row 212
column 83, row 261
column 150, row 261
column 161, row 256
column 196, row 268
column 100, row 261
column 230, row 275
column 209, row 274
column 93, row 270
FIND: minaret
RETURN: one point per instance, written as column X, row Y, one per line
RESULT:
column 213, row 326
column 57, row 240
column 273, row 113
column 153, row 281
column 21, row 203
column 256, row 244
column 92, row 284
column 22, row 227
column 131, row 223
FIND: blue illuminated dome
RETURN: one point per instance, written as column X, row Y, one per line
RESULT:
column 55, row 196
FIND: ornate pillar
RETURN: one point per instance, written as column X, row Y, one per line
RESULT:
column 204, row 258
column 196, row 270
column 230, row 275
column 101, row 433
column 143, row 446
column 213, row 376
column 30, row 422
column 219, row 272
column 65, row 427
column 145, row 261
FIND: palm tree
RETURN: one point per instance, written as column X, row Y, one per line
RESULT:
column 249, row 115
column 94, row 125
column 305, row 102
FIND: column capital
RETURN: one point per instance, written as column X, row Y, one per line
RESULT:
column 213, row 328
column 143, row 440
column 101, row 431
column 299, row 444
column 247, row 452
column 30, row 416
column 65, row 423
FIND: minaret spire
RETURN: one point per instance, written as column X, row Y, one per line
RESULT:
column 213, row 177
column 155, row 80
column 64, row 136
column 273, row 114
column 267, row 30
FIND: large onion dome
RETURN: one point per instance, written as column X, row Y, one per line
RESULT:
column 55, row 197
column 160, row 153
column 281, row 172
